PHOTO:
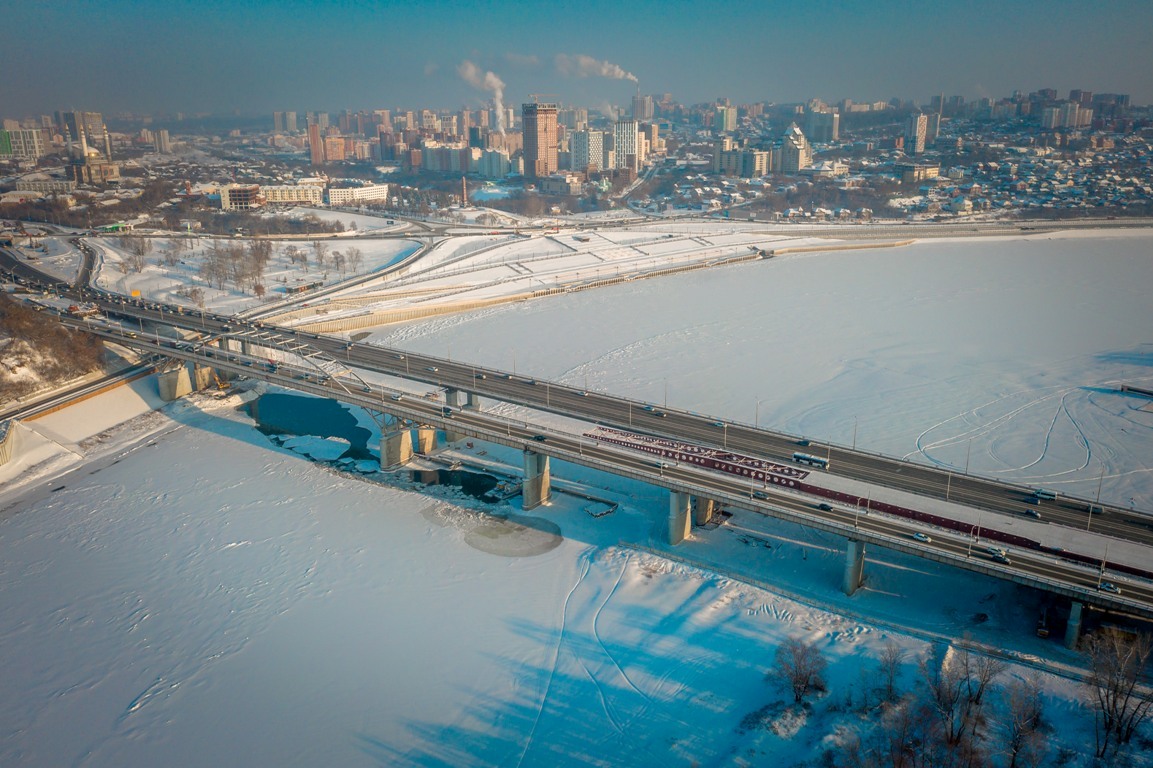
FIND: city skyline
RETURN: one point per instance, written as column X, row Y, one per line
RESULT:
column 129, row 56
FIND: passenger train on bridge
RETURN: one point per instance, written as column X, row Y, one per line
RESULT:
column 792, row 477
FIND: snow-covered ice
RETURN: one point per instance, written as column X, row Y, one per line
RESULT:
column 188, row 592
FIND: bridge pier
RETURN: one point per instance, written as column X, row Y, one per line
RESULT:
column 425, row 439
column 1073, row 628
column 702, row 510
column 395, row 448
column 202, row 376
column 537, row 484
column 854, row 566
column 174, row 384
column 680, row 522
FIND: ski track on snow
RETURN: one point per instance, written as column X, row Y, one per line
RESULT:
column 586, row 562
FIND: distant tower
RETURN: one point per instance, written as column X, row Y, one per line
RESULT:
column 538, row 121
column 463, row 193
column 916, row 132
column 315, row 145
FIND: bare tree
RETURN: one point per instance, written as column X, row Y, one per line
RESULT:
column 354, row 258
column 892, row 655
column 956, row 690
column 980, row 670
column 293, row 253
column 214, row 269
column 1117, row 662
column 135, row 249
column 321, row 251
column 800, row 665
column 338, row 263
column 1023, row 710
column 945, row 689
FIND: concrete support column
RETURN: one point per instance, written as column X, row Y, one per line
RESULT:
column 537, row 484
column 425, row 439
column 471, row 401
column 702, row 510
column 1073, row 628
column 395, row 448
column 452, row 397
column 202, row 377
column 452, row 437
column 174, row 384
column 854, row 566
column 680, row 523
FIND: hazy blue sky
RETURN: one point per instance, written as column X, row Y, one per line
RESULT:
column 209, row 55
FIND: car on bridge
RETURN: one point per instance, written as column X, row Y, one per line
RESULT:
column 922, row 537
column 825, row 507
column 1110, row 587
column 539, row 438
column 1030, row 512
column 760, row 495
column 432, row 368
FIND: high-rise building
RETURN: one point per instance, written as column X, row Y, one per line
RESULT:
column 916, row 129
column 22, row 143
column 823, row 126
column 724, row 119
column 627, row 144
column 278, row 122
column 933, row 129
column 796, row 152
column 315, row 144
column 643, row 108
column 540, row 139
column 335, row 148
column 290, row 122
column 163, row 142
column 91, row 124
column 588, row 151
column 573, row 118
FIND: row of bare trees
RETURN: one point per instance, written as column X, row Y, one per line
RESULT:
column 241, row 263
column 945, row 722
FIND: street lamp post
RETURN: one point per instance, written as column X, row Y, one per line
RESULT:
column 854, row 433
column 968, row 448
column 1097, row 503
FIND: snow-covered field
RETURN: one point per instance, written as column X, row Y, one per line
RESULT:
column 190, row 593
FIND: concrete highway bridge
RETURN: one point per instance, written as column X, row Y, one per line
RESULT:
column 328, row 366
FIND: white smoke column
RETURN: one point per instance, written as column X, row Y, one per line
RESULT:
column 488, row 81
column 586, row 66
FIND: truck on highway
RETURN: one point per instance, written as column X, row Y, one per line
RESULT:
column 82, row 310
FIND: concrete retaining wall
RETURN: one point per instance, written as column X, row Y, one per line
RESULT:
column 9, row 441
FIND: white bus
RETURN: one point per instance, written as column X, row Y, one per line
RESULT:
column 812, row 461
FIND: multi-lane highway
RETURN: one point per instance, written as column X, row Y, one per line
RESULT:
column 318, row 364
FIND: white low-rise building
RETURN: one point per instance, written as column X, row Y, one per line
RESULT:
column 346, row 195
column 306, row 194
